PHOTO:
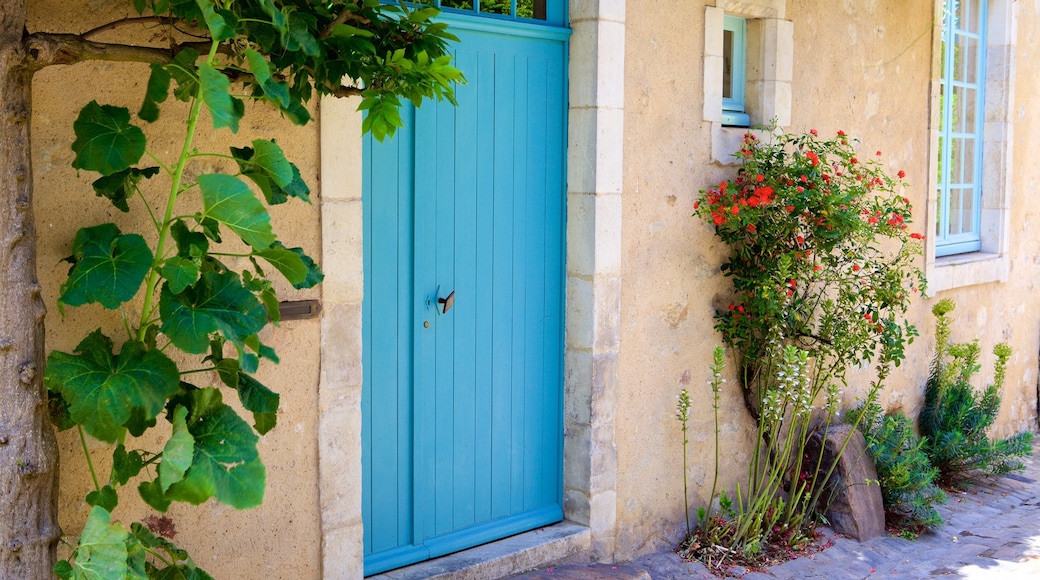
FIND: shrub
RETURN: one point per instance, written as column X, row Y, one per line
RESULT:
column 823, row 267
column 906, row 476
column 955, row 416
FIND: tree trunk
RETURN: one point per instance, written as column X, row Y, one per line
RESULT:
column 28, row 453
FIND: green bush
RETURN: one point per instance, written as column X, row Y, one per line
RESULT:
column 955, row 416
column 906, row 476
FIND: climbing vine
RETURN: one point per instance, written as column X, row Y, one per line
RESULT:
column 185, row 292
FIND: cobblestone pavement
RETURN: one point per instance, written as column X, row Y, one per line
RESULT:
column 992, row 531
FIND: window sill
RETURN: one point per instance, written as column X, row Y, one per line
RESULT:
column 726, row 142
column 961, row 270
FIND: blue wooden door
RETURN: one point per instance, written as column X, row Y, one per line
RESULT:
column 462, row 410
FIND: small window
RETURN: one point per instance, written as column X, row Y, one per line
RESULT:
column 734, row 71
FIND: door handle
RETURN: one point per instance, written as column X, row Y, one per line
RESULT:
column 447, row 303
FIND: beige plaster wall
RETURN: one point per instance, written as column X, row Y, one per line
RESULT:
column 864, row 67
column 280, row 539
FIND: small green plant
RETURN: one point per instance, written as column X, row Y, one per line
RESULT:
column 955, row 416
column 906, row 476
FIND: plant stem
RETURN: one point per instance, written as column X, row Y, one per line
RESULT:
column 150, row 282
column 86, row 453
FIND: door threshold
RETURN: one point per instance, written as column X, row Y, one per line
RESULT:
column 502, row 558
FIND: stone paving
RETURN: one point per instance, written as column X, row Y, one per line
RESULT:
column 991, row 531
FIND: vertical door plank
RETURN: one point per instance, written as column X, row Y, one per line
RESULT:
column 465, row 435
column 502, row 289
column 519, row 283
column 484, row 89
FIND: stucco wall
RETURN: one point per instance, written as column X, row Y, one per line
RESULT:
column 863, row 67
column 281, row 539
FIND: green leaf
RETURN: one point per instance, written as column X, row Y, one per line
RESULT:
column 136, row 566
column 278, row 19
column 229, row 201
column 108, row 267
column 152, row 494
column 59, row 411
column 63, row 570
column 227, row 370
column 225, row 109
column 105, row 497
column 106, row 142
column 300, row 37
column 226, row 464
column 347, row 31
column 217, row 302
column 183, row 70
column 274, row 186
column 157, row 91
column 101, row 553
column 260, row 400
column 178, row 452
column 275, row 91
column 119, row 186
column 219, row 28
column 314, row 274
column 211, row 229
column 102, row 389
column 289, row 263
column 190, row 244
column 125, row 465
column 180, row 273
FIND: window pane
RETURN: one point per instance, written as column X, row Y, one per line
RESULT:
column 964, row 107
column 531, row 9
column 951, row 172
column 968, row 60
column 967, row 211
column 966, row 175
column 457, row 4
column 956, row 205
column 967, row 16
column 497, row 7
column 727, row 64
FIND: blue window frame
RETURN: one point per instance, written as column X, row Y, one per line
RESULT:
column 734, row 71
column 962, row 103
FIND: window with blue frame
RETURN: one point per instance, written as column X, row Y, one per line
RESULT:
column 734, row 71
column 962, row 103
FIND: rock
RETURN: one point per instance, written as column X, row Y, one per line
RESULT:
column 856, row 508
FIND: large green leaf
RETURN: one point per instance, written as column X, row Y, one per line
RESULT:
column 157, row 91
column 216, row 303
column 265, row 167
column 226, row 464
column 225, row 109
column 108, row 268
column 228, row 200
column 101, row 554
column 104, row 390
column 119, row 186
column 106, row 142
column 263, row 402
column 178, row 452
